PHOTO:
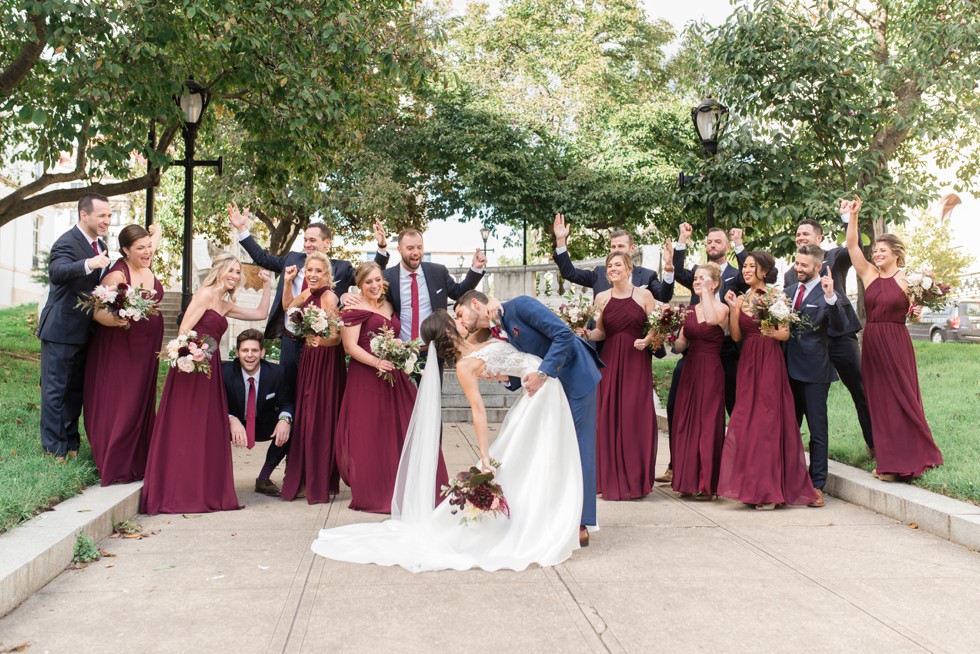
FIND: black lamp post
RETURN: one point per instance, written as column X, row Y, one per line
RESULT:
column 485, row 235
column 192, row 104
column 709, row 119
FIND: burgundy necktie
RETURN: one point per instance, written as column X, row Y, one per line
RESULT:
column 496, row 333
column 799, row 299
column 305, row 285
column 415, row 305
column 250, row 414
column 95, row 246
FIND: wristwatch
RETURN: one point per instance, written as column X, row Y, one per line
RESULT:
column 542, row 375
column 285, row 416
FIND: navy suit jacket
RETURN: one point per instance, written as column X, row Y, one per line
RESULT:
column 272, row 396
column 533, row 328
column 60, row 321
column 343, row 277
column 438, row 281
column 838, row 261
column 596, row 278
column 807, row 353
column 731, row 278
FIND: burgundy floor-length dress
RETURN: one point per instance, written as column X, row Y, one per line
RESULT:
column 319, row 391
column 189, row 468
column 626, row 421
column 121, row 392
column 903, row 441
column 762, row 460
column 699, row 413
column 374, row 417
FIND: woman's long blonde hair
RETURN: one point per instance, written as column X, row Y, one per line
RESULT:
column 219, row 266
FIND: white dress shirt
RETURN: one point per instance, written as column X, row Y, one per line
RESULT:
column 405, row 289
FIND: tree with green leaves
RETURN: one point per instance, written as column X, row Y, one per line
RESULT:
column 829, row 99
column 300, row 81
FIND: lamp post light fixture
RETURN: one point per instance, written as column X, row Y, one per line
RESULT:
column 193, row 102
column 709, row 118
column 461, row 259
column 485, row 235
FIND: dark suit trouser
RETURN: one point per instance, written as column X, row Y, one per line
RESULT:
column 846, row 357
column 729, row 364
column 289, row 353
column 811, row 402
column 583, row 414
column 62, row 375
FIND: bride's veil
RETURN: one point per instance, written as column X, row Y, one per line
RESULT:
column 415, row 483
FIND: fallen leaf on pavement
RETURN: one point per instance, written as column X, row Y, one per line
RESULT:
column 165, row 566
column 104, row 553
column 190, row 516
column 15, row 648
column 913, row 525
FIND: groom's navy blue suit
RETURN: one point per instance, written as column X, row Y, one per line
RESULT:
column 532, row 328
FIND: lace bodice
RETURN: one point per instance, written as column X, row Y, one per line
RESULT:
column 504, row 359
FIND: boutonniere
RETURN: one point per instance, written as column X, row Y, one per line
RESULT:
column 516, row 332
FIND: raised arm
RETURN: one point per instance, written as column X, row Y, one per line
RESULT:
column 262, row 258
column 864, row 270
column 258, row 313
column 566, row 269
column 288, row 302
column 473, row 277
column 682, row 275
column 663, row 289
column 734, row 310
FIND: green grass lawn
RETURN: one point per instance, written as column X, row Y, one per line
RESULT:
column 29, row 482
column 949, row 376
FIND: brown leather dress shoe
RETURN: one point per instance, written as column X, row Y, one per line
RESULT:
column 266, row 487
column 583, row 536
column 665, row 478
column 819, row 502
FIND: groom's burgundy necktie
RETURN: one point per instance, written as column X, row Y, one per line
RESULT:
column 95, row 246
column 250, row 414
column 799, row 299
column 415, row 305
column 496, row 333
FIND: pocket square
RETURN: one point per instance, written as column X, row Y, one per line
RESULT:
column 270, row 396
column 438, row 291
column 812, row 306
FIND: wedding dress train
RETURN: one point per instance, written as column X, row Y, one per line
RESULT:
column 540, row 473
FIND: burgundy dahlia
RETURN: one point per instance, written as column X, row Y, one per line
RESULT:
column 482, row 498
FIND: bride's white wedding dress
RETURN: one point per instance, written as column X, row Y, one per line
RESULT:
column 540, row 474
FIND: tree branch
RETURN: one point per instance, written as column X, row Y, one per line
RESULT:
column 29, row 55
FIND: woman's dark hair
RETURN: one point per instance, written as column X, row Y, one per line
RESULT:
column 765, row 262
column 129, row 235
column 439, row 331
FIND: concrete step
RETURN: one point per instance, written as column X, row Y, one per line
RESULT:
column 494, row 416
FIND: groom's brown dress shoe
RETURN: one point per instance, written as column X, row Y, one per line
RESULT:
column 819, row 502
column 665, row 478
column 266, row 487
column 583, row 536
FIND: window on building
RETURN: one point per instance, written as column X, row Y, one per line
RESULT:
column 36, row 242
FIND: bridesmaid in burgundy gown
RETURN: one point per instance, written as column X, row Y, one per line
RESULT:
column 121, row 369
column 699, row 415
column 189, row 469
column 762, row 462
column 626, row 423
column 903, row 441
column 319, row 389
column 374, row 414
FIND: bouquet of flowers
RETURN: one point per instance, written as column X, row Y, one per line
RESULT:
column 312, row 321
column 122, row 301
column 404, row 354
column 665, row 323
column 190, row 353
column 576, row 310
column 771, row 308
column 926, row 291
column 475, row 494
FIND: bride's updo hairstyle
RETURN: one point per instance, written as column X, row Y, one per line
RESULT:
column 439, row 331
column 765, row 263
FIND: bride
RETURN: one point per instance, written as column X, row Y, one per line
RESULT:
column 539, row 472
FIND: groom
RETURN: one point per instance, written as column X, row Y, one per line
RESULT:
column 532, row 328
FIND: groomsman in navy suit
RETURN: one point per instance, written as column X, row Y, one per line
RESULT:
column 78, row 259
column 317, row 236
column 619, row 241
column 260, row 405
column 844, row 350
column 533, row 328
column 808, row 354
column 716, row 243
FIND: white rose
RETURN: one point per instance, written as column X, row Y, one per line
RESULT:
column 123, row 313
column 410, row 363
column 926, row 283
column 913, row 278
column 320, row 324
column 779, row 310
column 185, row 364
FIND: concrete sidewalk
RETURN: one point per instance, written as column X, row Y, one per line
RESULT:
column 662, row 574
